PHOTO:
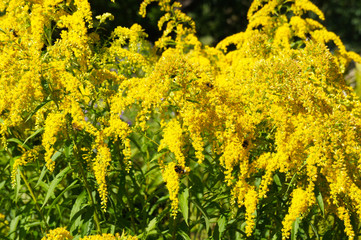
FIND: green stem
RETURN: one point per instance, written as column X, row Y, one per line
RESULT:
column 174, row 235
column 87, row 187
column 86, row 184
column 35, row 200
column 127, row 193
column 131, row 208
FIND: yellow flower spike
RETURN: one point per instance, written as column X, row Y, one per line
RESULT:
column 177, row 22
column 343, row 214
column 301, row 6
column 54, row 124
column 171, row 178
column 143, row 6
column 250, row 202
column 266, row 7
column 100, row 169
column 299, row 26
column 102, row 18
column 355, row 194
column 117, row 128
column 173, row 140
column 234, row 154
column 127, row 154
column 282, row 37
column 59, row 233
column 108, row 236
column 37, row 26
column 298, row 206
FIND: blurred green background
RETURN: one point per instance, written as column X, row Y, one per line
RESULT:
column 217, row 19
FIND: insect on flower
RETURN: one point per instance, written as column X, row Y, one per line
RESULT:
column 14, row 32
column 210, row 85
column 245, row 144
column 180, row 169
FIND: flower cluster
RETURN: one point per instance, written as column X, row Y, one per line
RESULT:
column 171, row 178
column 59, row 233
column 267, row 101
column 281, row 79
column 63, row 234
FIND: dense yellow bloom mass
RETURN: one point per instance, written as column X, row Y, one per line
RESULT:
column 58, row 234
column 171, row 178
column 63, row 234
column 105, row 236
column 172, row 138
column 51, row 82
column 277, row 103
column 53, row 126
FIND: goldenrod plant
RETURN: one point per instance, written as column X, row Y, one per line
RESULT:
column 255, row 138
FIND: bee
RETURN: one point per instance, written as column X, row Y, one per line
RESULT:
column 14, row 32
column 75, row 126
column 210, row 85
column 179, row 169
column 245, row 144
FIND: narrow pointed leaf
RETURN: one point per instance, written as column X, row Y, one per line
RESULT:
column 54, row 183
column 183, row 204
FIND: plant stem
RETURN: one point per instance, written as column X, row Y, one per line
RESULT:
column 87, row 187
column 174, row 236
column 35, row 200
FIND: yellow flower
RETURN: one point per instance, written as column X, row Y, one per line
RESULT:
column 108, row 236
column 54, row 125
column 250, row 202
column 173, row 139
column 59, row 233
column 171, row 178
column 27, row 157
column 299, row 204
column 100, row 168
column 102, row 18
column 343, row 214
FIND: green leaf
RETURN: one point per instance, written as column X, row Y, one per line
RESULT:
column 183, row 204
column 78, row 204
column 320, row 203
column 314, row 229
column 34, row 134
column 68, row 149
column 157, row 156
column 205, row 215
column 71, row 186
column 277, row 180
column 54, row 183
column 2, row 184
column 183, row 234
column 221, row 225
column 36, row 109
column 13, row 226
column 15, row 140
column 81, row 215
column 294, row 230
column 328, row 235
column 42, row 174
column 90, row 226
column 17, row 185
column 151, row 225
column 33, row 224
column 56, row 155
